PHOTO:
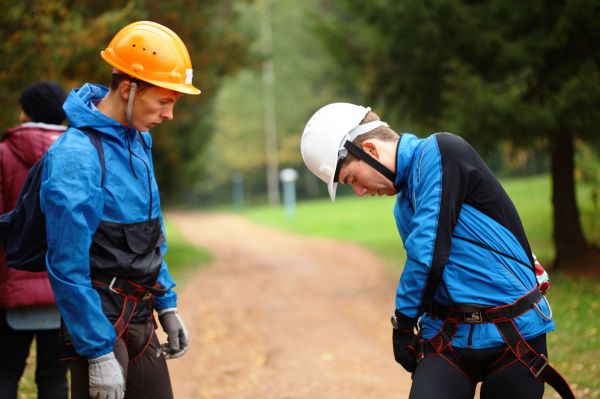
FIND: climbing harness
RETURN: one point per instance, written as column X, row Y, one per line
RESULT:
column 133, row 295
column 503, row 318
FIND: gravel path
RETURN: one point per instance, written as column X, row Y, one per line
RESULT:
column 280, row 316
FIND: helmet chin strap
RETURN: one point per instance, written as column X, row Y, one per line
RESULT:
column 350, row 147
column 132, row 89
column 369, row 160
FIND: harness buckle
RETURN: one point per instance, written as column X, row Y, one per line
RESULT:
column 536, row 374
column 473, row 317
column 110, row 286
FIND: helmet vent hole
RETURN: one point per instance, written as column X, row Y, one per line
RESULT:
column 144, row 49
column 133, row 45
column 154, row 53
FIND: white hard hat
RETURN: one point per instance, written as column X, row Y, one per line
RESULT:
column 325, row 134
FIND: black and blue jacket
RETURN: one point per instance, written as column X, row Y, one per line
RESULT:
column 464, row 240
column 101, row 223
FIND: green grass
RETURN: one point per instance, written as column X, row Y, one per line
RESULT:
column 183, row 260
column 574, row 347
column 368, row 221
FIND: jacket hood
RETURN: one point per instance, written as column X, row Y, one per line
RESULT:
column 30, row 140
column 81, row 111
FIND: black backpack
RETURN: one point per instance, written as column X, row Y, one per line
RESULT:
column 23, row 230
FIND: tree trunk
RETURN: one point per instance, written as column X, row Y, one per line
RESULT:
column 569, row 239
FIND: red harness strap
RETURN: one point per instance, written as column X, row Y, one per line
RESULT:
column 503, row 317
column 132, row 294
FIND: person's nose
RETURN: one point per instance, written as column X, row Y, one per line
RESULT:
column 167, row 113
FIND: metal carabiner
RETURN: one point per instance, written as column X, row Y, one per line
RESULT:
column 541, row 313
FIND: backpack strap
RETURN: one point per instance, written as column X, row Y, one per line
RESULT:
column 96, row 141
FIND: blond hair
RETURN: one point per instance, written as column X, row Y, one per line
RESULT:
column 383, row 133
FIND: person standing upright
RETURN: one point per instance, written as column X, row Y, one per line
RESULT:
column 106, row 240
column 27, row 305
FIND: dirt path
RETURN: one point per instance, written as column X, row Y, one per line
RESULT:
column 279, row 316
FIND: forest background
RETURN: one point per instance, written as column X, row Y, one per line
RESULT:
column 519, row 80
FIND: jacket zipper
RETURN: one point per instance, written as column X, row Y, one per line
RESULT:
column 149, row 182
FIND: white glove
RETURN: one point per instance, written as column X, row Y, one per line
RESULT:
column 107, row 378
column 176, row 332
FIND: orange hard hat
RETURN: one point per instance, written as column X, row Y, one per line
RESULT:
column 153, row 53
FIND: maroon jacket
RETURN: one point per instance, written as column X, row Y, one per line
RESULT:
column 21, row 146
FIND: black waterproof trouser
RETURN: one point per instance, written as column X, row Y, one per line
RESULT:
column 138, row 352
column 438, row 377
column 50, row 372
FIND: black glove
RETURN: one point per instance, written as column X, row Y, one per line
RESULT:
column 404, row 341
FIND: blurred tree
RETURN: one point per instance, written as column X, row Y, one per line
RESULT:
column 217, row 49
column 302, row 85
column 53, row 39
column 62, row 39
column 495, row 70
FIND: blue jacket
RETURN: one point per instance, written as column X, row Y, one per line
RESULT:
column 464, row 240
column 76, row 201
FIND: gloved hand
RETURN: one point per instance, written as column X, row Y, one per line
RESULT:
column 404, row 341
column 107, row 378
column 177, row 333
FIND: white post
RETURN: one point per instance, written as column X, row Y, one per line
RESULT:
column 288, row 177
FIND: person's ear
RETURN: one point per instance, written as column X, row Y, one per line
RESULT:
column 124, row 87
column 370, row 148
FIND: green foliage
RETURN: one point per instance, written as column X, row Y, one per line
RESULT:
column 491, row 70
column 588, row 172
column 183, row 258
column 302, row 84
column 588, row 164
column 384, row 49
column 57, row 40
column 217, row 48
column 61, row 40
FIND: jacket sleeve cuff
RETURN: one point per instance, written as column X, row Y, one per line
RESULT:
column 169, row 300
column 167, row 310
column 101, row 352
